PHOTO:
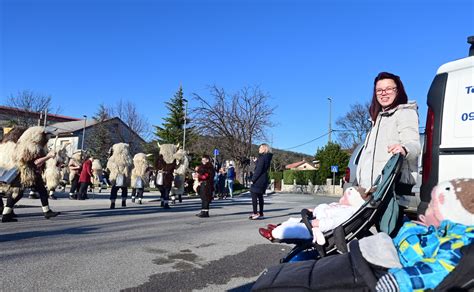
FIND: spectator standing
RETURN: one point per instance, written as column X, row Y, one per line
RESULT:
column 205, row 176
column 260, row 180
column 394, row 130
column 221, row 184
column 231, row 178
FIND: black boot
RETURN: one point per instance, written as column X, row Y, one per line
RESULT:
column 33, row 196
column 112, row 205
column 162, row 203
column 51, row 214
column 204, row 214
column 124, row 203
column 166, row 206
column 8, row 218
column 180, row 199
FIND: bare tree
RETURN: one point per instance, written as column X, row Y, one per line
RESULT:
column 353, row 126
column 128, row 113
column 238, row 120
column 27, row 104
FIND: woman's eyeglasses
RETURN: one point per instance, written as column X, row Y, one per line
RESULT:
column 387, row 90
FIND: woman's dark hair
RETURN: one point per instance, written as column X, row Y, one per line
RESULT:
column 400, row 98
column 13, row 135
column 206, row 156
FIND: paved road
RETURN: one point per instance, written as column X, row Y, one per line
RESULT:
column 141, row 247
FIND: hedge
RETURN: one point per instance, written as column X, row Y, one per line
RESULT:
column 276, row 175
column 301, row 176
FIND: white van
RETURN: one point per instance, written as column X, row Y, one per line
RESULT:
column 449, row 134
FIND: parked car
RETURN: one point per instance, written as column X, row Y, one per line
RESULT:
column 449, row 148
column 350, row 178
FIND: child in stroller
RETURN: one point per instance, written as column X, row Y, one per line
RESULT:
column 325, row 217
column 379, row 211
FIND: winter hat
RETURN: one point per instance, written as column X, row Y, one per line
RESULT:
column 356, row 196
column 456, row 200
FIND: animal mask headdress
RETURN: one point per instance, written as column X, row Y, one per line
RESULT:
column 168, row 151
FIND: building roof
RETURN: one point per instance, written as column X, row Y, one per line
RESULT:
column 7, row 109
column 74, row 126
column 295, row 165
column 70, row 127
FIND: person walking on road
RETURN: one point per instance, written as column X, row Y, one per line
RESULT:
column 260, row 180
column 85, row 178
column 119, row 165
column 205, row 176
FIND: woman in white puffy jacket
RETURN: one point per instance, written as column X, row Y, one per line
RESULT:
column 394, row 130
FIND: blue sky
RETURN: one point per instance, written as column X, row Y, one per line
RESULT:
column 83, row 53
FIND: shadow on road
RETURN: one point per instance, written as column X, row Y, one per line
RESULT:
column 35, row 234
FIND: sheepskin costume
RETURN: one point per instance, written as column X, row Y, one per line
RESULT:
column 75, row 160
column 7, row 155
column 7, row 161
column 97, row 171
column 120, row 162
column 140, row 166
column 30, row 146
column 179, row 174
column 52, row 174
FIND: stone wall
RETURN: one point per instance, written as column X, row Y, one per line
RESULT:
column 326, row 190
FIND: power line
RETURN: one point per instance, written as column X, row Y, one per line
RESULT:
column 317, row 138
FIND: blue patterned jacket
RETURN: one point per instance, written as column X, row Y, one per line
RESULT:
column 428, row 254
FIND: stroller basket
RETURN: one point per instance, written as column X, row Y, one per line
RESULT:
column 359, row 224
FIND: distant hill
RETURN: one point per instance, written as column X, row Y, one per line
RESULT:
column 206, row 145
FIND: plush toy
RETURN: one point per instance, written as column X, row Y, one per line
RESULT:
column 450, row 200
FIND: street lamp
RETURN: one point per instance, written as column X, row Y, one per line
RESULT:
column 330, row 126
column 185, row 118
column 84, row 132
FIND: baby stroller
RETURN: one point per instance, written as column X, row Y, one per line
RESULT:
column 370, row 214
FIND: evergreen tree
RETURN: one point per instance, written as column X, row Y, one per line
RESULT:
column 99, row 140
column 329, row 155
column 102, row 114
column 172, row 129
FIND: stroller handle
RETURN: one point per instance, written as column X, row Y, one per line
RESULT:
column 306, row 217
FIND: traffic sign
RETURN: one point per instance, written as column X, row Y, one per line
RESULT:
column 216, row 152
column 334, row 168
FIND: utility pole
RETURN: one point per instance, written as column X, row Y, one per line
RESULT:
column 330, row 126
column 45, row 117
column 84, row 132
column 185, row 117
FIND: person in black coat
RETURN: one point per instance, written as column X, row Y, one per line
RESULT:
column 260, row 180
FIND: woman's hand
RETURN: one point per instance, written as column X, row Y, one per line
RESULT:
column 397, row 148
